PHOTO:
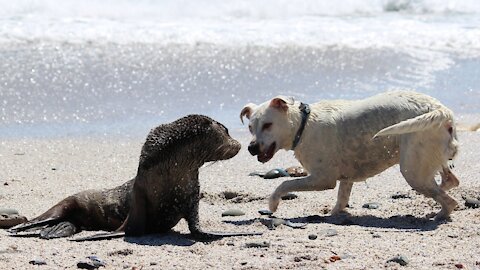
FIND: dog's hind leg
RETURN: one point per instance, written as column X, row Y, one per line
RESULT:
column 419, row 166
column 449, row 180
column 309, row 183
column 344, row 190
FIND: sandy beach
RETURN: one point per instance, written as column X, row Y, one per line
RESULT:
column 37, row 173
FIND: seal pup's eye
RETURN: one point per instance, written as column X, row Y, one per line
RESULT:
column 266, row 126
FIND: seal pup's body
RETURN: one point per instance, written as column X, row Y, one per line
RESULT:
column 165, row 189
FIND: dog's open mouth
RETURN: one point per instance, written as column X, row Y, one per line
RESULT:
column 267, row 155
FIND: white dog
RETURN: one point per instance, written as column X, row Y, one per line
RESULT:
column 350, row 141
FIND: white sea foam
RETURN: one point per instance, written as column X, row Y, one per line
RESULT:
column 124, row 65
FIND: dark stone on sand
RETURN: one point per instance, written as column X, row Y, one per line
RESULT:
column 275, row 173
column 230, row 194
column 261, row 244
column 472, row 203
column 372, row 205
column 402, row 260
column 86, row 265
column 289, row 196
column 37, row 262
column 265, row 212
column 312, row 236
column 94, row 263
column 400, row 196
column 233, row 213
column 123, row 252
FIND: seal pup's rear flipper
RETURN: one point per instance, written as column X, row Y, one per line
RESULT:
column 32, row 225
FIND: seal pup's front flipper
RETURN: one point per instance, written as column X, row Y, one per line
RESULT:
column 62, row 229
column 100, row 236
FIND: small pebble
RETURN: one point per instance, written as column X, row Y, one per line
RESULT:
column 459, row 266
column 265, row 212
column 402, row 260
column 275, row 173
column 400, row 196
column 289, row 196
column 96, row 261
column 123, row 252
column 335, row 258
column 372, row 205
column 294, row 225
column 86, row 265
column 277, row 222
column 296, row 171
column 38, row 262
column 243, row 263
column 8, row 211
column 312, row 236
column 331, row 232
column 262, row 244
column 153, row 263
column 233, row 213
column 472, row 203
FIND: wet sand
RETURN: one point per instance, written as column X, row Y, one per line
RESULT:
column 37, row 173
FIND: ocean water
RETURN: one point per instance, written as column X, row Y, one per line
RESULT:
column 120, row 67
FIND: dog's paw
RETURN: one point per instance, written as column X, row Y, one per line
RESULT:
column 273, row 202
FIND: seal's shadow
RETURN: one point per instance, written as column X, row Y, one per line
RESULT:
column 170, row 238
column 400, row 222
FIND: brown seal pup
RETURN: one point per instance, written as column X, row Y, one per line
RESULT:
column 165, row 189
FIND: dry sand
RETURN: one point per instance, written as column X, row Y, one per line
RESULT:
column 35, row 174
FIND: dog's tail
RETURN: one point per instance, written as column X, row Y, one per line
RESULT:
column 425, row 121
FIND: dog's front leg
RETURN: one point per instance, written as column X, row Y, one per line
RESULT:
column 309, row 183
column 344, row 191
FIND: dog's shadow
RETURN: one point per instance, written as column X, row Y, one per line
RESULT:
column 399, row 222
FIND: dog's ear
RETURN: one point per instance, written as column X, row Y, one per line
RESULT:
column 247, row 111
column 281, row 102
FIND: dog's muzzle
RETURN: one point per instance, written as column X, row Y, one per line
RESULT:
column 253, row 148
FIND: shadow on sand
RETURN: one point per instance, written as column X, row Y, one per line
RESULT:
column 170, row 238
column 399, row 222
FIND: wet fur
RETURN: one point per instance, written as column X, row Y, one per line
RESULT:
column 165, row 189
column 350, row 141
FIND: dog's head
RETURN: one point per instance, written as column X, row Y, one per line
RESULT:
column 270, row 126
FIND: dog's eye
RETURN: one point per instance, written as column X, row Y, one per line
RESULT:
column 266, row 126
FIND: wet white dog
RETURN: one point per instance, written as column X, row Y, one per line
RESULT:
column 350, row 141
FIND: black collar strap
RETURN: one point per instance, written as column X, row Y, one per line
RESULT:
column 305, row 109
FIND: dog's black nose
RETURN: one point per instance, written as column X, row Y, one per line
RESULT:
column 253, row 148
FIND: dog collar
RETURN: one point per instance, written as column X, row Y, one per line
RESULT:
column 305, row 109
